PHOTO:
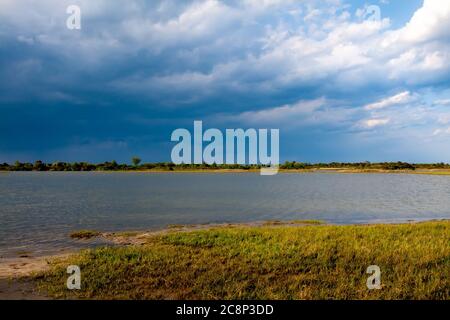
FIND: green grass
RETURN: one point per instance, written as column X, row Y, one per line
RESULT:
column 126, row 233
column 282, row 262
column 84, row 234
column 291, row 222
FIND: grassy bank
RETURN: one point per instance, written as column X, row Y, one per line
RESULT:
column 267, row 262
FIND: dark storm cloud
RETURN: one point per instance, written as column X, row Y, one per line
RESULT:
column 139, row 69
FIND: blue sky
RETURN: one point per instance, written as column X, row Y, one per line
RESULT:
column 340, row 84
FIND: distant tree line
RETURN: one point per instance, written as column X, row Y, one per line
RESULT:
column 114, row 166
column 168, row 166
column 361, row 165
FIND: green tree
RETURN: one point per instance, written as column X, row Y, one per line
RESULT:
column 39, row 166
column 136, row 161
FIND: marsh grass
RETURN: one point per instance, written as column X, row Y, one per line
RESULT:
column 84, row 234
column 127, row 233
column 267, row 262
column 291, row 222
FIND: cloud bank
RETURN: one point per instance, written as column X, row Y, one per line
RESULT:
column 339, row 85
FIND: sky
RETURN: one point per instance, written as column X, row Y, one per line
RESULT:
column 342, row 80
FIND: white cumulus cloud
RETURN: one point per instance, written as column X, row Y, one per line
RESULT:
column 372, row 123
column 398, row 99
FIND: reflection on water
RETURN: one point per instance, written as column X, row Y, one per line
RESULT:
column 38, row 210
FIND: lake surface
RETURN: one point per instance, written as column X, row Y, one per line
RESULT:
column 39, row 209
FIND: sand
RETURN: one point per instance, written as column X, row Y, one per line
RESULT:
column 15, row 283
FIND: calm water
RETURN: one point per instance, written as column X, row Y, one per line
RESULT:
column 39, row 210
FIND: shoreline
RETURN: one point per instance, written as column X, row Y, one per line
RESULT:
column 440, row 172
column 24, row 266
column 274, row 260
column 16, row 274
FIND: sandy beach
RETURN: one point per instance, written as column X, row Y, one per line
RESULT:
column 15, row 273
